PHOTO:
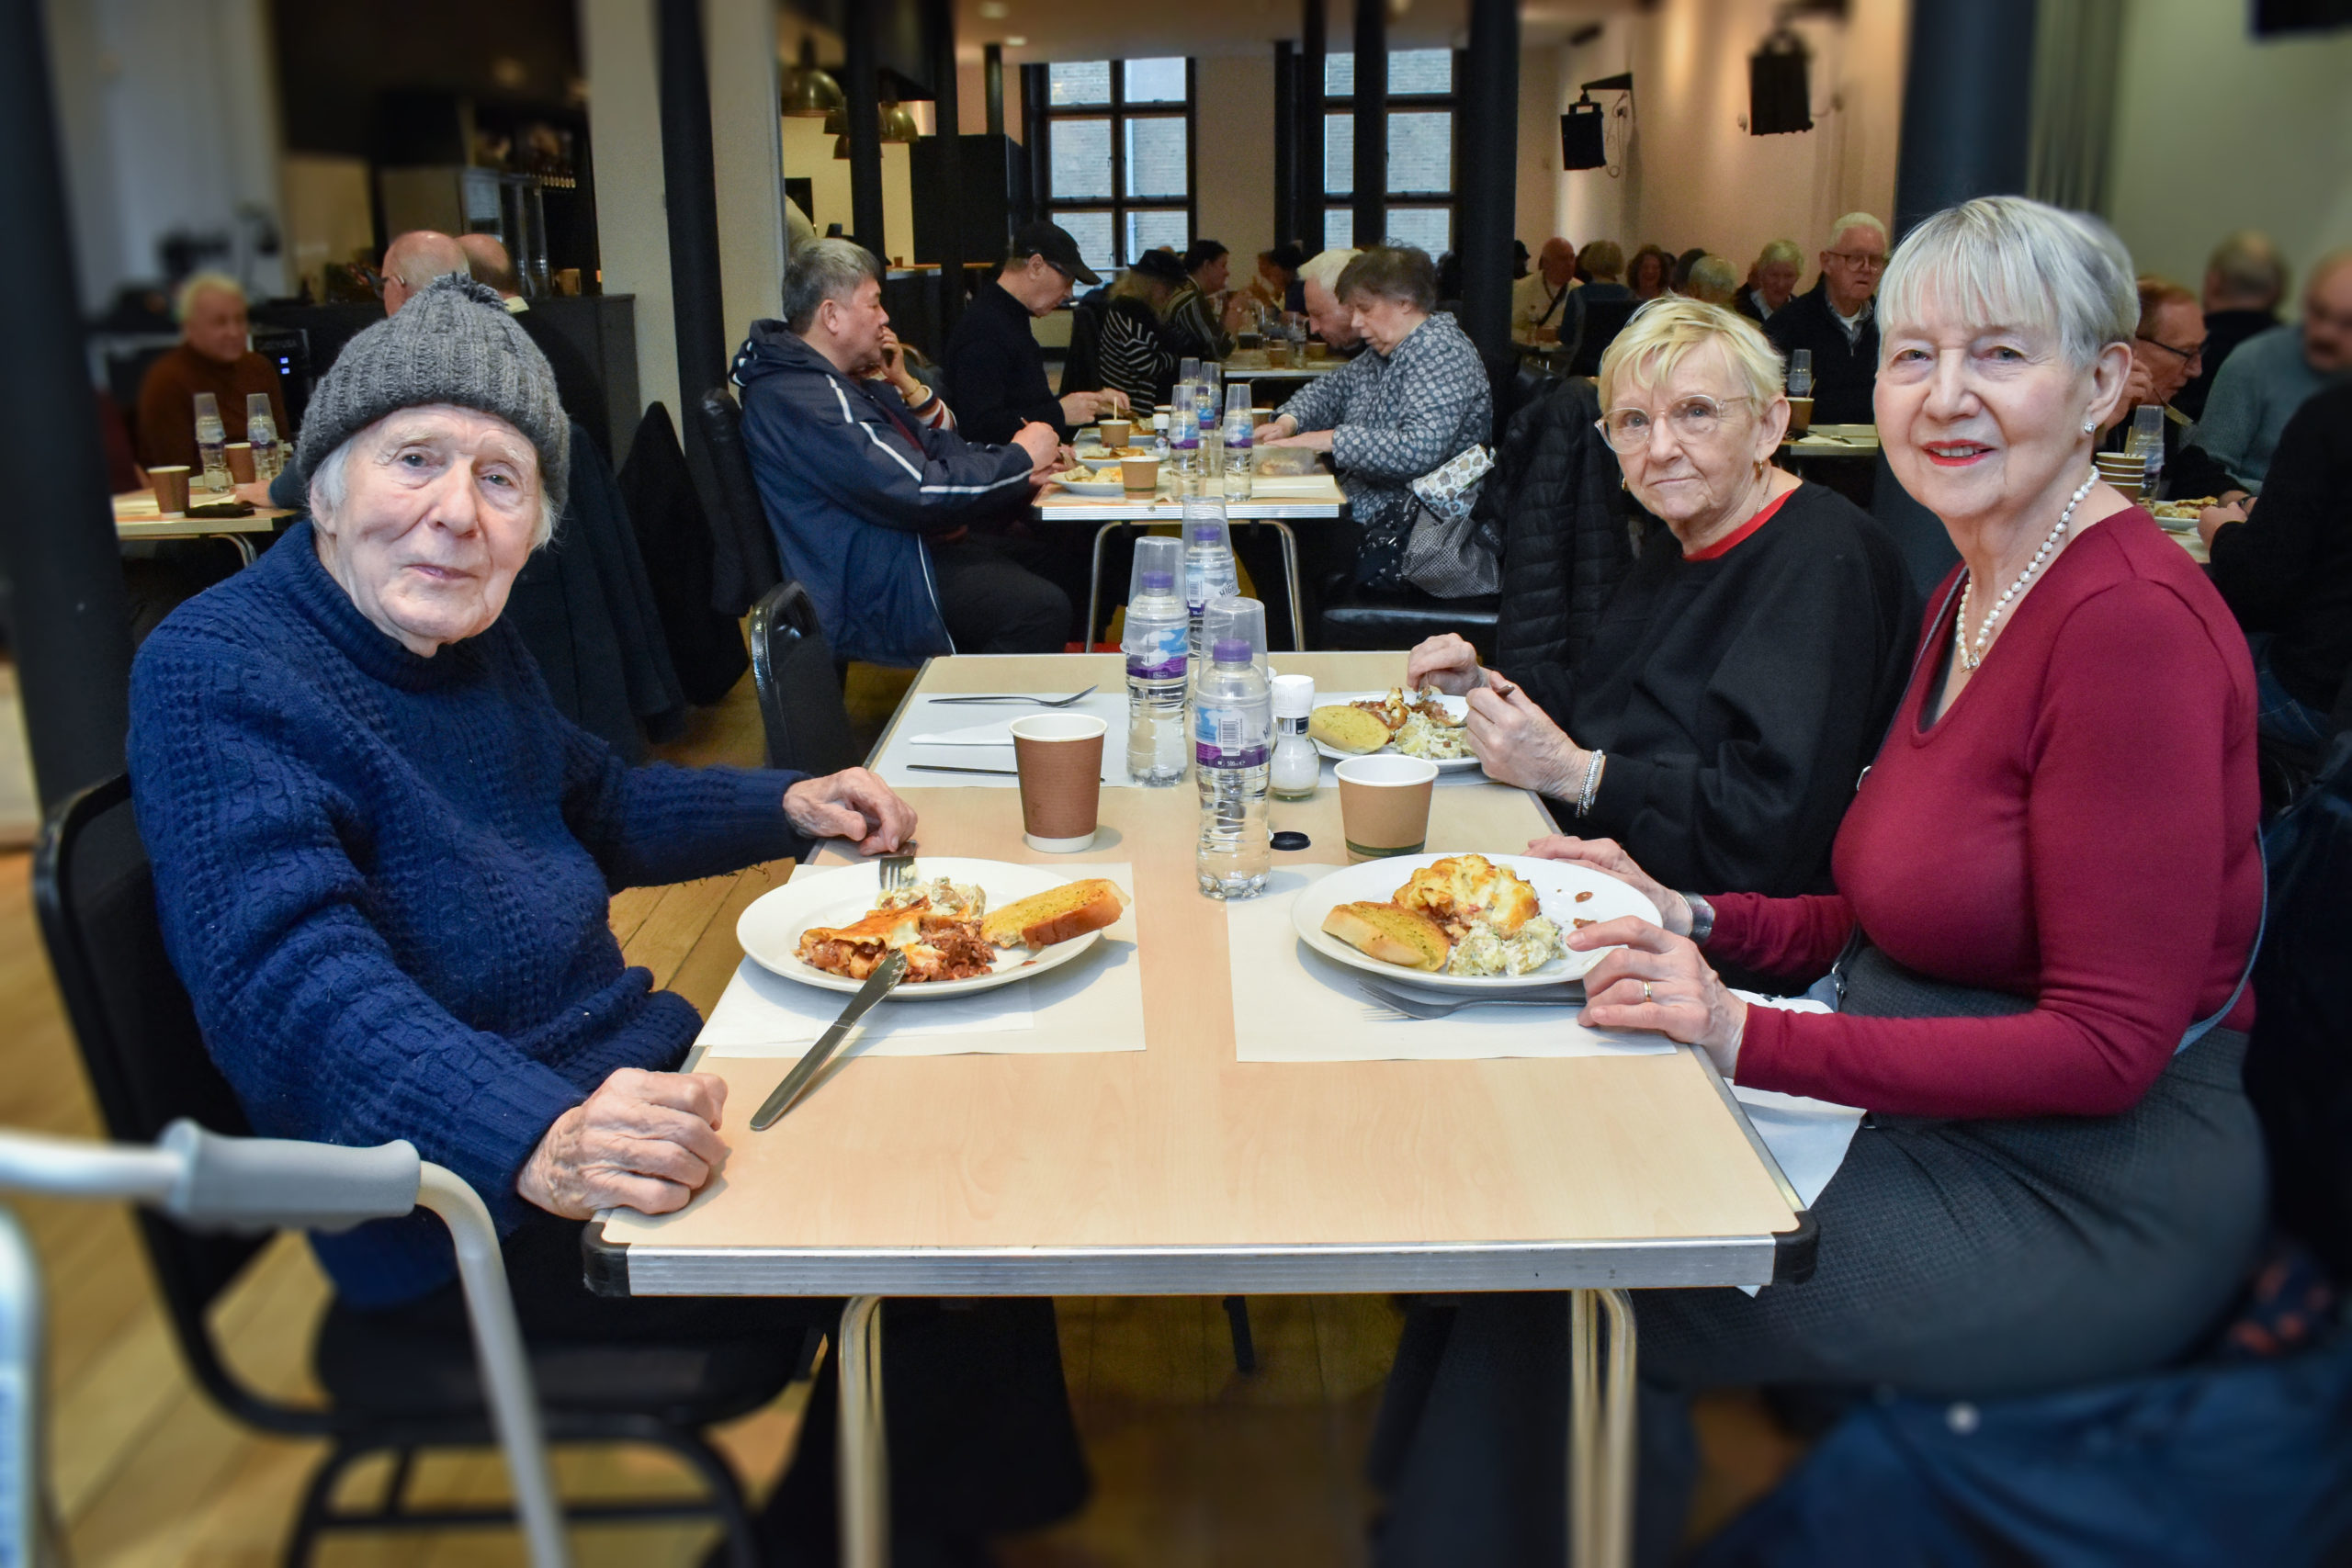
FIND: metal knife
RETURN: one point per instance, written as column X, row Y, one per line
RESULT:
column 887, row 975
column 944, row 768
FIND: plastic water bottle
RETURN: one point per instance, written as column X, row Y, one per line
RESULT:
column 1801, row 373
column 2148, row 444
column 212, row 443
column 1209, row 572
column 261, row 430
column 1233, row 725
column 1241, row 440
column 1184, row 431
column 1159, row 444
column 1157, row 645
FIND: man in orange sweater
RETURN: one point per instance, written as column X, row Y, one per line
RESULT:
column 212, row 356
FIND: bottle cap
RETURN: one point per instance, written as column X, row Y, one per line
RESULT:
column 1229, row 618
column 1158, row 581
column 1293, row 696
column 1160, row 566
column 1232, row 650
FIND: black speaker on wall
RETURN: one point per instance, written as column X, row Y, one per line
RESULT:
column 1583, row 144
column 1779, row 98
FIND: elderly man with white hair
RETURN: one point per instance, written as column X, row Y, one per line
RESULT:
column 212, row 355
column 2049, row 886
column 383, row 861
column 1834, row 322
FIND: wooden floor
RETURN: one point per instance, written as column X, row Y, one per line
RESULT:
column 1195, row 1464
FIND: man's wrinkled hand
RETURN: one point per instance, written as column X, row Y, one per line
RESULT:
column 643, row 1141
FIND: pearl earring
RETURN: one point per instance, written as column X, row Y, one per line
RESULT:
column 2089, row 425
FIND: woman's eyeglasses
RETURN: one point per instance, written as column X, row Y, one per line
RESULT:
column 1691, row 419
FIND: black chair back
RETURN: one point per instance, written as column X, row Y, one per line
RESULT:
column 1083, row 367
column 739, row 519
column 93, row 892
column 1603, row 319
column 800, row 690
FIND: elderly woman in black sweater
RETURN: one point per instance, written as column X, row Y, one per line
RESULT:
column 1742, row 672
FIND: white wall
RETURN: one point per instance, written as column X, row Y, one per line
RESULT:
column 1538, row 202
column 740, row 37
column 633, row 223
column 1233, row 138
column 808, row 155
column 1691, row 173
column 2216, row 132
column 167, row 111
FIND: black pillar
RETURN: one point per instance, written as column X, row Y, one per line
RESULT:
column 1489, row 159
column 69, row 619
column 1967, row 106
column 1371, row 122
column 1033, row 142
column 865, row 114
column 992, row 84
column 1311, row 173
column 939, row 17
column 1286, row 142
column 697, row 307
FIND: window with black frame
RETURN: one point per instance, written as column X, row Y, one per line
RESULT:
column 1420, row 149
column 1119, row 165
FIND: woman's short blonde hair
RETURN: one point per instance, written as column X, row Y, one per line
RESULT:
column 1665, row 333
column 2006, row 261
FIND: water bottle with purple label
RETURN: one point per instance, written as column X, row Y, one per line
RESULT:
column 1158, row 643
column 1233, row 725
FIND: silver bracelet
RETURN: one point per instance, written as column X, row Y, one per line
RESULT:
column 1703, row 919
column 1592, row 784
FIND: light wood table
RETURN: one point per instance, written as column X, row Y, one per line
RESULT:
column 1178, row 1170
column 137, row 517
column 1316, row 497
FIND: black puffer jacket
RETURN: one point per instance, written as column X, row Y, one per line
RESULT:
column 1555, row 491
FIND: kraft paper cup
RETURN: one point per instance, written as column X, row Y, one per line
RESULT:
column 1384, row 805
column 171, row 488
column 1278, row 356
column 1115, row 432
column 1140, row 473
column 1799, row 416
column 1059, row 757
column 240, row 462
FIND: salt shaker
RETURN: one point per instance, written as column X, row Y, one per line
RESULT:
column 1296, row 768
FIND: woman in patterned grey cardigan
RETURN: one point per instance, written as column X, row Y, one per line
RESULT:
column 1416, row 396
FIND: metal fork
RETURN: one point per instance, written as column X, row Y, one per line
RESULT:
column 1425, row 1008
column 898, row 871
column 1016, row 697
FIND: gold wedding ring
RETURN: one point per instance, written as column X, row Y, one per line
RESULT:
column 1646, row 991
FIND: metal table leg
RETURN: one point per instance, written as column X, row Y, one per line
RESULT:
column 1600, row 1429
column 1094, row 582
column 1289, row 579
column 244, row 546
column 864, row 1463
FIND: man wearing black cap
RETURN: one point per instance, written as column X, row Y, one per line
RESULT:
column 996, row 373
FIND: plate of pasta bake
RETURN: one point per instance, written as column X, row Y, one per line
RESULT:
column 1464, row 922
column 965, row 925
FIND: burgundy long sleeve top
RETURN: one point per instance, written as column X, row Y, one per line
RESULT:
column 2078, row 827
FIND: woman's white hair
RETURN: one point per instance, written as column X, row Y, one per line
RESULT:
column 2006, row 261
column 184, row 302
column 331, row 484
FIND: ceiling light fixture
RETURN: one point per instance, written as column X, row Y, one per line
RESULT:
column 808, row 92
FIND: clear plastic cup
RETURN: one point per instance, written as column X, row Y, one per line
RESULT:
column 1156, row 553
column 1235, row 620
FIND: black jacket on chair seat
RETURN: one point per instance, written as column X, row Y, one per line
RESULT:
column 1565, row 542
column 705, row 645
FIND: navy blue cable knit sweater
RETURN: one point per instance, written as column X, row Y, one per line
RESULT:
column 384, row 877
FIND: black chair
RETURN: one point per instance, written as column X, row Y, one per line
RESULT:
column 388, row 1392
column 1373, row 619
column 747, row 566
column 808, row 724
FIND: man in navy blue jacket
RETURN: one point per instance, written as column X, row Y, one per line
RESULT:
column 881, row 514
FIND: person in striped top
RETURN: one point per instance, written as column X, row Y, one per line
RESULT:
column 1137, row 354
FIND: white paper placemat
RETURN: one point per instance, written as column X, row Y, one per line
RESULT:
column 1093, row 1003
column 1808, row 1137
column 1292, row 1004
column 980, row 735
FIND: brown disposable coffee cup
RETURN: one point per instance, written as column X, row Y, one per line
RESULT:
column 1318, row 351
column 1799, row 416
column 240, row 462
column 171, row 488
column 1140, row 473
column 1384, row 805
column 1277, row 355
column 1059, row 757
column 1115, row 432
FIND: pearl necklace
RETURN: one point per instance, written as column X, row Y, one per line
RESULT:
column 1969, row 658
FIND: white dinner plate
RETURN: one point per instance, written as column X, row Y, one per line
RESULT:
column 1557, row 884
column 1098, row 455
column 770, row 930
column 1085, row 487
column 1456, row 705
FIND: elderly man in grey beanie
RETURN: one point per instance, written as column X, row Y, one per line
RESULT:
column 382, row 861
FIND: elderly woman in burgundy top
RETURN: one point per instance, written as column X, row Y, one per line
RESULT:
column 2048, row 889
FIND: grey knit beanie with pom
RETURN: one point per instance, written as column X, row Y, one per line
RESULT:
column 452, row 342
